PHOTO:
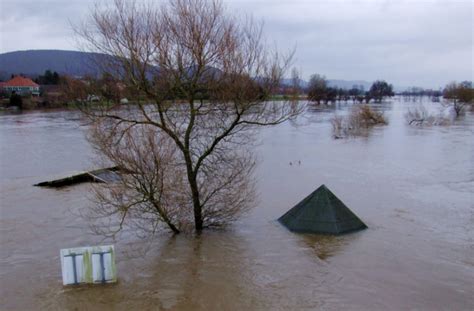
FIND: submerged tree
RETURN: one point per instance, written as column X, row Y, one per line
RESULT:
column 317, row 88
column 203, row 78
column 379, row 90
column 151, row 187
column 319, row 91
column 460, row 94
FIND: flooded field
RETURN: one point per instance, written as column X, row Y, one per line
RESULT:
column 413, row 187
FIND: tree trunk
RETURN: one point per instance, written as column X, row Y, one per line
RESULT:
column 198, row 221
column 192, row 179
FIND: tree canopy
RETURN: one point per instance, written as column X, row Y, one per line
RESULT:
column 380, row 89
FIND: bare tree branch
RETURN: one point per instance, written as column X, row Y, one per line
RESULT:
column 201, row 80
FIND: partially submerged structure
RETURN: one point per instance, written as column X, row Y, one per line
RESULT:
column 94, row 264
column 104, row 175
column 321, row 212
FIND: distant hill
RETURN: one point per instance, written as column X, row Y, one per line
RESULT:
column 343, row 84
column 34, row 62
column 348, row 84
column 289, row 82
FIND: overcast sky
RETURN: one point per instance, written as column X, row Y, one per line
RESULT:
column 419, row 42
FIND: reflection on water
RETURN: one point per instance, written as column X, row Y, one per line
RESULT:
column 326, row 246
column 411, row 186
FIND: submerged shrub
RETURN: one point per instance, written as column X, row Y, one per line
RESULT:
column 420, row 116
column 360, row 119
column 364, row 116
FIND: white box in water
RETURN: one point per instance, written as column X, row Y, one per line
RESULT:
column 95, row 264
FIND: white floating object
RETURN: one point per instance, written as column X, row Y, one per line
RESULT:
column 94, row 264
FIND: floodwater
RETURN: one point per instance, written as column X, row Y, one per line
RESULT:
column 412, row 186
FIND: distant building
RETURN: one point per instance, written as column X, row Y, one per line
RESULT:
column 22, row 86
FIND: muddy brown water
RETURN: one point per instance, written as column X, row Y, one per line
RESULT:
column 412, row 186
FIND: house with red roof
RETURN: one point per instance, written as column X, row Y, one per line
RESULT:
column 22, row 86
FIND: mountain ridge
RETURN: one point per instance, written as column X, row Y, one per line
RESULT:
column 33, row 63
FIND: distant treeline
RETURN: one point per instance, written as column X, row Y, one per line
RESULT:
column 319, row 91
column 60, row 91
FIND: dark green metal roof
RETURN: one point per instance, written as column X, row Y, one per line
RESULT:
column 321, row 212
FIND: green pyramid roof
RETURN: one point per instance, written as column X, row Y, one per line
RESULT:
column 321, row 212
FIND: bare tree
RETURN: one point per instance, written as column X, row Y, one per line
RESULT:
column 460, row 95
column 73, row 90
column 203, row 78
column 152, row 186
column 296, row 87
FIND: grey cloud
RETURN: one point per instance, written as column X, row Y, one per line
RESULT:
column 425, row 43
